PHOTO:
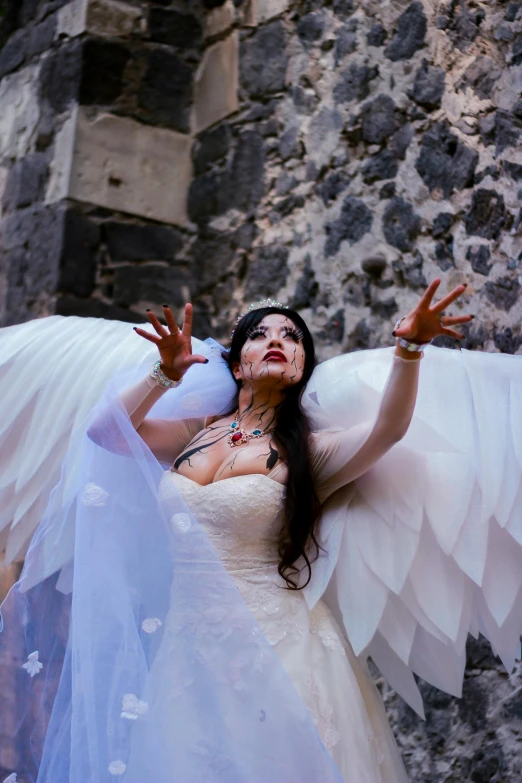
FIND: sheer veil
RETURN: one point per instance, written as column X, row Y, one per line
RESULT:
column 124, row 609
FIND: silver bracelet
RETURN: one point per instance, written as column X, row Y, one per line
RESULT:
column 406, row 344
column 161, row 379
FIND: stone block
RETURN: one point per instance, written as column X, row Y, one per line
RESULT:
column 173, row 28
column 132, row 242
column 428, row 86
column 513, row 170
column 444, row 254
column 123, row 165
column 442, row 224
column 479, row 257
column 20, row 112
column 445, row 163
column 400, row 225
column 381, row 166
column 26, row 182
column 60, row 76
column 13, row 52
column 486, row 216
column 267, row 271
column 210, row 147
column 101, row 17
column 264, row 60
column 81, row 238
column 503, row 293
column 61, row 162
column 306, row 289
column 166, row 90
column 410, row 33
column 352, row 224
column 246, row 176
column 32, row 242
column 206, row 197
column 216, row 83
column 333, row 186
column 377, row 35
column 111, row 18
column 150, row 283
column 380, row 119
column 310, row 27
column 102, row 72
column 220, row 19
column 345, row 43
column 214, row 252
column 354, row 83
column 41, row 36
column 72, row 19
column 262, row 10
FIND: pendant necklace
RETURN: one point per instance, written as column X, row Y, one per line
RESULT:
column 238, row 436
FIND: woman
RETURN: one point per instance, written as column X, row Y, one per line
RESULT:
column 278, row 474
column 166, row 675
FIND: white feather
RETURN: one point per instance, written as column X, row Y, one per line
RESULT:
column 52, row 373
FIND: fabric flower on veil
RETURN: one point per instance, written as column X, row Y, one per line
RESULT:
column 32, row 665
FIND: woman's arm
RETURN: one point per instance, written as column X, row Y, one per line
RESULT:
column 165, row 438
column 341, row 457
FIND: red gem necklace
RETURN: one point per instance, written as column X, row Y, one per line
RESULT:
column 238, row 436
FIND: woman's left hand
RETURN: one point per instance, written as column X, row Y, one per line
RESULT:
column 426, row 321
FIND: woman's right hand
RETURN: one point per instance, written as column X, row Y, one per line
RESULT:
column 174, row 346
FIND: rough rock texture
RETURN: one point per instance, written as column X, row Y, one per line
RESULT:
column 336, row 154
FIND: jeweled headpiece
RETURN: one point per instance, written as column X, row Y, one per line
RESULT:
column 258, row 306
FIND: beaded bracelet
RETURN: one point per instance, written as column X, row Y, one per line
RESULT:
column 161, row 379
column 406, row 344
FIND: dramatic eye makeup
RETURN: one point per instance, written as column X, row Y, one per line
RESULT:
column 256, row 331
column 293, row 332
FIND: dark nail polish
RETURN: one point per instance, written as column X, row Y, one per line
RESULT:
column 393, row 333
column 135, row 328
column 206, row 361
column 148, row 310
column 165, row 305
column 472, row 316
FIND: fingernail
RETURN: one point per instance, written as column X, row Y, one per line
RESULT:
column 206, row 361
column 148, row 310
column 393, row 333
column 465, row 285
column 165, row 305
column 135, row 329
column 472, row 316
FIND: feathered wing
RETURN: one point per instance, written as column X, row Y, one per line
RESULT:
column 426, row 547
column 52, row 373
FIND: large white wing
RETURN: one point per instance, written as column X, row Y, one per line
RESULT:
column 427, row 546
column 52, row 373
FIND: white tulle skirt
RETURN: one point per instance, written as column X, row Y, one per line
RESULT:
column 334, row 684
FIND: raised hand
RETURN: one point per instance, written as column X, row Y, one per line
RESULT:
column 174, row 346
column 426, row 321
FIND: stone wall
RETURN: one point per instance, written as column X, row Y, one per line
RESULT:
column 335, row 154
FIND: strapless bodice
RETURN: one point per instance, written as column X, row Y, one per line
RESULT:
column 241, row 515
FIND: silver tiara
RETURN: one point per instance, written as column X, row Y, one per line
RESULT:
column 258, row 306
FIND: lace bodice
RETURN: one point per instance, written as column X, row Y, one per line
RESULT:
column 241, row 515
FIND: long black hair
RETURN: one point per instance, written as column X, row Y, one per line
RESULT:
column 292, row 435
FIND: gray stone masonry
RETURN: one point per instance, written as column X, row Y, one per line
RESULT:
column 335, row 154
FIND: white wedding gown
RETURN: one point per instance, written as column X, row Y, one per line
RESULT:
column 420, row 547
column 242, row 517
